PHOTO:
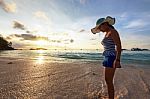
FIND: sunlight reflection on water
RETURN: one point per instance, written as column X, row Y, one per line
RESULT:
column 40, row 59
column 40, row 51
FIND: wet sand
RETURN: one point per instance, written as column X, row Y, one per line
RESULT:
column 26, row 79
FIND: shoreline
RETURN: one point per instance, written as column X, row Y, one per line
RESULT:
column 23, row 78
column 76, row 60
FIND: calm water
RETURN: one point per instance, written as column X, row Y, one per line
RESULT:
column 139, row 58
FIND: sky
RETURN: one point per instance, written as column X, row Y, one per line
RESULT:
column 59, row 24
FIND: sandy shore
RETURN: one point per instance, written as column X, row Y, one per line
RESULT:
column 26, row 79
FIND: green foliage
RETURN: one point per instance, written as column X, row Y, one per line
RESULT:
column 5, row 45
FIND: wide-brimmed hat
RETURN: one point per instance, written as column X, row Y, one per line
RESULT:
column 108, row 19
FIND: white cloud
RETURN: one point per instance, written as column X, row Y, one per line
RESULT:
column 41, row 14
column 8, row 7
column 123, row 16
column 83, row 1
column 136, row 24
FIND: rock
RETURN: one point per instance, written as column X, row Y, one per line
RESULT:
column 10, row 63
column 94, row 74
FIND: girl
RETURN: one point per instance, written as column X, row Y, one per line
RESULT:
column 112, row 50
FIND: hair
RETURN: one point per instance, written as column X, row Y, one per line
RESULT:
column 110, row 25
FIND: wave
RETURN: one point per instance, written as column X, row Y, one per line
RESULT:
column 127, row 57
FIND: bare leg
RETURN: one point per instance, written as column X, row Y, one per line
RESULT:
column 109, row 75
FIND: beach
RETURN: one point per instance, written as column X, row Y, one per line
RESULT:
column 22, row 78
column 56, row 49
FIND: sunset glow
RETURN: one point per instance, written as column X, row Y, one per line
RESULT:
column 41, row 43
column 58, row 24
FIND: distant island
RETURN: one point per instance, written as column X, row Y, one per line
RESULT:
column 5, row 45
column 139, row 49
column 38, row 49
column 124, row 49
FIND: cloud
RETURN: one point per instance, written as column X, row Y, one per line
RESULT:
column 33, row 37
column 93, row 39
column 41, row 15
column 83, row 1
column 136, row 24
column 29, row 37
column 8, row 7
column 8, row 38
column 123, row 16
column 18, row 45
column 18, row 25
column 71, row 41
column 1, row 2
column 55, row 41
column 66, row 41
column 82, row 30
column 34, row 31
column 94, row 44
column 60, row 34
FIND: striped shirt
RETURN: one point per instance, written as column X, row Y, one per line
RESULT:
column 109, row 46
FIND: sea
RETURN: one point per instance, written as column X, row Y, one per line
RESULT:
column 136, row 58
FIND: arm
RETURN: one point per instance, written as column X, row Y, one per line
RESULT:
column 116, row 39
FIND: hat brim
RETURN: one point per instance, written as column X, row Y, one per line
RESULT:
column 111, row 21
column 95, row 29
column 108, row 19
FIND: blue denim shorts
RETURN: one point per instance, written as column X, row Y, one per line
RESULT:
column 108, row 61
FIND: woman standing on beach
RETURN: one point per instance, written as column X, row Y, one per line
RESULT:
column 112, row 50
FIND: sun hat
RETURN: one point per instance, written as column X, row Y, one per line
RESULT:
column 108, row 19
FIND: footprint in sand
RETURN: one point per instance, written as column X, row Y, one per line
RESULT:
column 123, row 92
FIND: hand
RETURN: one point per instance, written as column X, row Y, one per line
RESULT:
column 116, row 64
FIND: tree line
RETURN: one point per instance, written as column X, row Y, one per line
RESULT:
column 5, row 45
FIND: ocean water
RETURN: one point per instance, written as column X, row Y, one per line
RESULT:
column 138, row 58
